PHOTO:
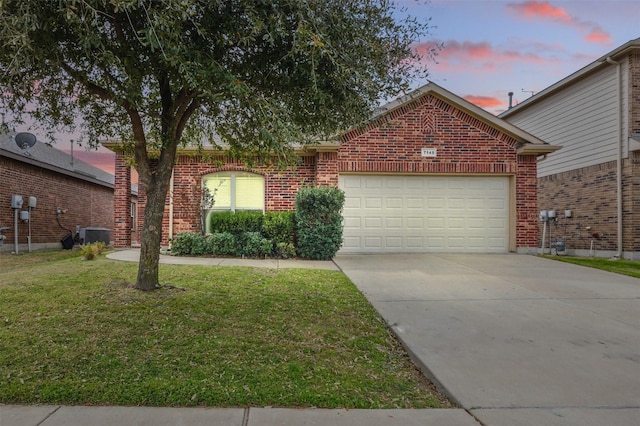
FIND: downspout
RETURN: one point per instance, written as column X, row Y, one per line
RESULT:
column 171, row 208
column 619, row 144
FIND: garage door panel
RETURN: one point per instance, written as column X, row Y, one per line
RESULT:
column 435, row 223
column 352, row 203
column 425, row 213
column 373, row 182
column 498, row 223
column 415, row 223
column 393, row 203
column 415, row 242
column 393, row 184
column 436, row 183
column 415, row 203
column 414, row 184
column 496, row 204
column 372, row 203
column 373, row 242
column 476, row 223
column 392, row 243
column 435, row 202
column 456, row 223
column 351, row 222
column 372, row 222
column 393, row 222
column 455, row 203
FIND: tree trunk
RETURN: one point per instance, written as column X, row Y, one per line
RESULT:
column 151, row 237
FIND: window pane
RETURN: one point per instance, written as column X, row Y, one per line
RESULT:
column 249, row 191
column 219, row 185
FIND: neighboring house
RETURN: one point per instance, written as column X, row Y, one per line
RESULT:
column 430, row 173
column 82, row 193
column 594, row 115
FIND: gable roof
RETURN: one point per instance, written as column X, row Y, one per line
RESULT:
column 49, row 158
column 528, row 143
column 575, row 77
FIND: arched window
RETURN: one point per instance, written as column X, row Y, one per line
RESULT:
column 231, row 191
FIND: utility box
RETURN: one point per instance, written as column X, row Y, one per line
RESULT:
column 16, row 201
column 544, row 216
column 92, row 235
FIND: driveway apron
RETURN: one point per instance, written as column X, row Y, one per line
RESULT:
column 514, row 339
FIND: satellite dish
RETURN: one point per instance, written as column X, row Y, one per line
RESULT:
column 25, row 140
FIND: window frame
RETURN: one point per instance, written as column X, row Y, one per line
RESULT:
column 233, row 175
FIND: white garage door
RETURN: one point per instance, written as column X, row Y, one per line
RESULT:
column 425, row 214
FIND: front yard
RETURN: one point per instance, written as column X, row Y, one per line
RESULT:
column 75, row 332
column 620, row 266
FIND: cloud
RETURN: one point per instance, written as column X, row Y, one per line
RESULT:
column 485, row 101
column 543, row 10
column 483, row 57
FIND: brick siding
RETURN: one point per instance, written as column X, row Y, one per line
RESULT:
column 465, row 145
column 86, row 204
column 591, row 194
column 390, row 144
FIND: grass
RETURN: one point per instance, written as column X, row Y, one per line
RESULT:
column 74, row 331
column 620, row 266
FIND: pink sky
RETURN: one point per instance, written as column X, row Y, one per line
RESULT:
column 500, row 46
column 492, row 47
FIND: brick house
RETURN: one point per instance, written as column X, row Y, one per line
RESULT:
column 430, row 173
column 83, row 192
column 594, row 115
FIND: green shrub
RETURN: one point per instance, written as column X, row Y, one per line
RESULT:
column 319, row 222
column 279, row 227
column 253, row 244
column 182, row 244
column 285, row 250
column 200, row 245
column 236, row 223
column 222, row 244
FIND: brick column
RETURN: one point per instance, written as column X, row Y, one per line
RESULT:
column 527, row 202
column 122, row 203
column 327, row 169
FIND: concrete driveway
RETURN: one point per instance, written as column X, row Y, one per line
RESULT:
column 515, row 339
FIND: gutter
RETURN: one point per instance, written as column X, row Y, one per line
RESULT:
column 619, row 152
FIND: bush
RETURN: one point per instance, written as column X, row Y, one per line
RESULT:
column 279, row 227
column 319, row 222
column 236, row 223
column 199, row 245
column 90, row 251
column 285, row 250
column 222, row 244
column 99, row 247
column 253, row 244
column 183, row 243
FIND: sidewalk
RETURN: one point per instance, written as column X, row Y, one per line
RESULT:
column 133, row 255
column 50, row 415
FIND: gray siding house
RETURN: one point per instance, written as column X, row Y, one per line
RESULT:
column 594, row 115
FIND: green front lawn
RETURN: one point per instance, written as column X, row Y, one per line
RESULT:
column 75, row 332
column 621, row 266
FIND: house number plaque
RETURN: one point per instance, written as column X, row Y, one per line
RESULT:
column 429, row 152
